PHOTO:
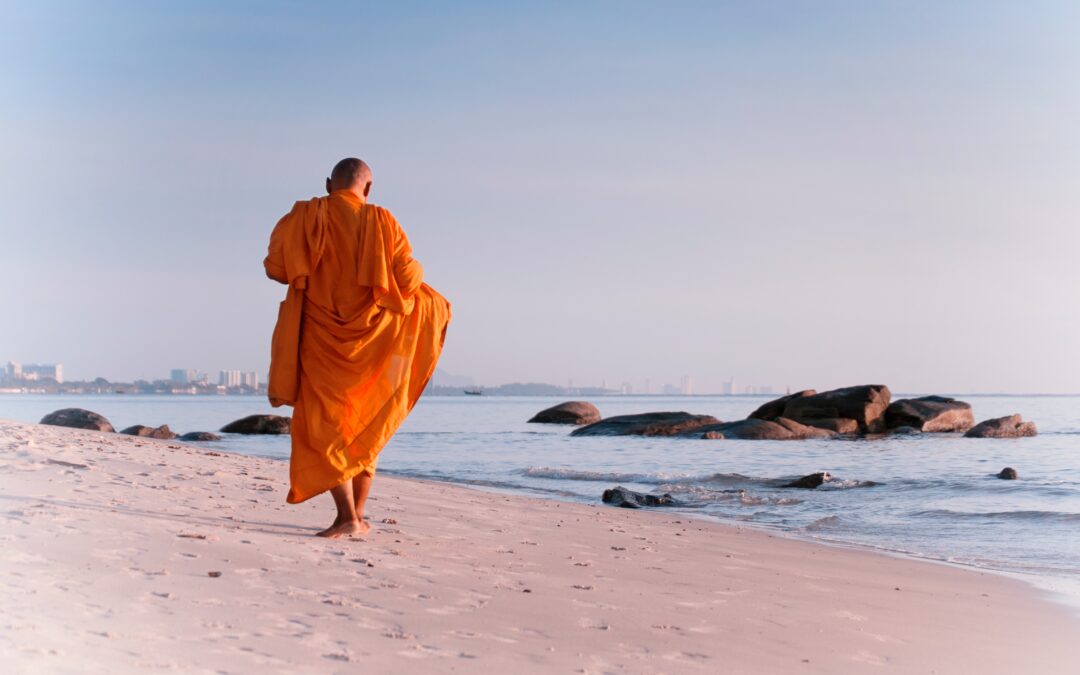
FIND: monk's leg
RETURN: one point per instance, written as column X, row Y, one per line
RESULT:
column 347, row 523
column 361, row 486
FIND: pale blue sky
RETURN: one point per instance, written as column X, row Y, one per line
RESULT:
column 803, row 193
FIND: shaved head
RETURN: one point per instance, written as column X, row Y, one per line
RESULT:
column 350, row 174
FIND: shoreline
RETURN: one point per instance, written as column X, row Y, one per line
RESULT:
column 109, row 542
column 1060, row 591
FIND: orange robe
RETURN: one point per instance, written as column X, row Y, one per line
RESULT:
column 370, row 334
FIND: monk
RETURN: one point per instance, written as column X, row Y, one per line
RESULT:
column 356, row 342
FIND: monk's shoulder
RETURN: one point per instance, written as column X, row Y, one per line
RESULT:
column 302, row 205
column 385, row 220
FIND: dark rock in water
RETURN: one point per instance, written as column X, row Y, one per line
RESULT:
column 571, row 412
column 628, row 499
column 865, row 404
column 646, row 424
column 782, row 429
column 199, row 436
column 809, row 482
column 163, row 432
column 904, row 431
column 258, row 424
column 930, row 414
column 1008, row 473
column 77, row 418
column 841, row 425
column 1012, row 426
column 775, row 408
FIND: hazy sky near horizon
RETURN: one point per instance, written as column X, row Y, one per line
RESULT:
column 793, row 193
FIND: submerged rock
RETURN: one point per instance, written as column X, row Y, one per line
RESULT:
column 865, row 404
column 930, row 414
column 646, row 424
column 1008, row 473
column 571, row 412
column 904, row 431
column 199, row 436
column 810, row 481
column 775, row 408
column 628, row 499
column 77, row 418
column 258, row 424
column 163, row 432
column 1012, row 426
column 840, row 425
column 781, row 429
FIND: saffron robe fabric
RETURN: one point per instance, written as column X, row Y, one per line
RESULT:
column 370, row 333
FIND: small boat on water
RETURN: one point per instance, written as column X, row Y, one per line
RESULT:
column 473, row 392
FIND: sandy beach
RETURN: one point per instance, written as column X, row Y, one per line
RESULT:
column 123, row 554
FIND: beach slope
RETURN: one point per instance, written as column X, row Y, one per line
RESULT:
column 123, row 554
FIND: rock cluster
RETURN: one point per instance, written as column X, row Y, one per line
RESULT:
column 571, row 412
column 779, row 429
column 258, row 424
column 808, row 414
column 930, row 414
column 163, row 432
column 77, row 418
column 1012, row 426
column 628, row 499
column 197, row 436
column 646, row 424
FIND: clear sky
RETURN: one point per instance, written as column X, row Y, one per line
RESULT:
column 804, row 193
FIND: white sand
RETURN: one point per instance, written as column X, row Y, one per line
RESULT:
column 108, row 542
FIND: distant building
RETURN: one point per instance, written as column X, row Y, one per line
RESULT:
column 13, row 370
column 728, row 388
column 251, row 380
column 37, row 371
column 686, row 386
column 230, row 378
column 182, row 375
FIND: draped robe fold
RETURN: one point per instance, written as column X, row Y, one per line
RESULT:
column 370, row 334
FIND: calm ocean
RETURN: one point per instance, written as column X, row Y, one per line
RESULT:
column 935, row 496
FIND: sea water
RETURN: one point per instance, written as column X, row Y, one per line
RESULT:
column 932, row 495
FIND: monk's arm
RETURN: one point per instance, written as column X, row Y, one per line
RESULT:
column 408, row 272
column 275, row 256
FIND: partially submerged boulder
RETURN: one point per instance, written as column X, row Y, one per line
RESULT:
column 865, row 404
column 904, row 431
column 646, row 424
column 628, row 499
column 930, row 414
column 1012, row 426
column 196, row 436
column 809, row 482
column 839, row 425
column 77, row 418
column 775, row 408
column 1008, row 473
column 781, row 429
column 163, row 432
column 258, row 424
column 571, row 412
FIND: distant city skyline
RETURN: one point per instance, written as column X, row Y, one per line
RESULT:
column 803, row 194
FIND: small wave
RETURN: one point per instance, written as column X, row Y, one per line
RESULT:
column 696, row 495
column 826, row 523
column 1054, row 516
column 847, row 483
column 611, row 476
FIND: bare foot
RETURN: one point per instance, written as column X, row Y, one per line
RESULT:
column 349, row 528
